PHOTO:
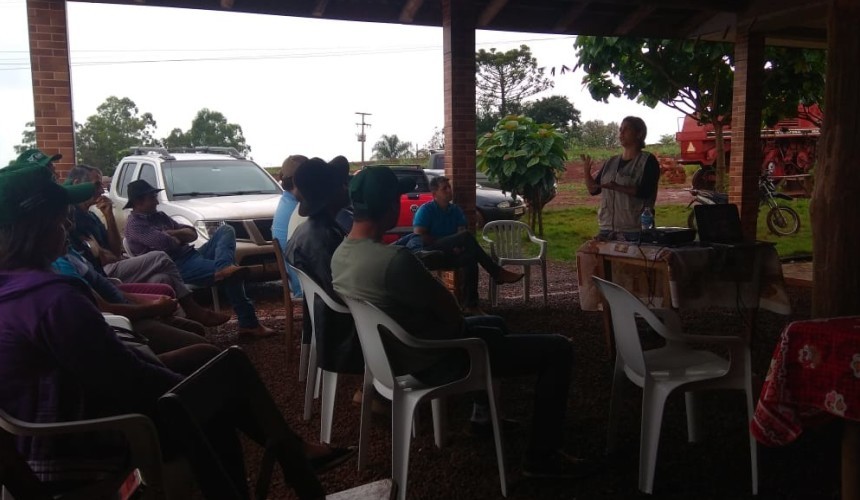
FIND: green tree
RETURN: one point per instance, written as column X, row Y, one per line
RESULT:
column 209, row 128
column 505, row 79
column 28, row 138
column 526, row 159
column 106, row 136
column 667, row 139
column 596, row 134
column 695, row 78
column 390, row 147
column 556, row 110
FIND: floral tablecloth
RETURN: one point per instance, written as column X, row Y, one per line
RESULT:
column 814, row 375
column 698, row 276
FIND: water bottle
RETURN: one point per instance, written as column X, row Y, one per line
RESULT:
column 647, row 219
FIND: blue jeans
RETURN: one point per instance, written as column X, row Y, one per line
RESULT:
column 198, row 267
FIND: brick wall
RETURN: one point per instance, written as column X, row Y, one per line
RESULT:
column 745, row 166
column 52, row 87
column 458, row 28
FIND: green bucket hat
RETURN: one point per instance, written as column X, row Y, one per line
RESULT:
column 374, row 189
column 26, row 190
column 35, row 158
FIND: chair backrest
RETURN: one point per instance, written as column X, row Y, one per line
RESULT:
column 311, row 288
column 624, row 307
column 282, row 265
column 127, row 247
column 368, row 318
column 510, row 239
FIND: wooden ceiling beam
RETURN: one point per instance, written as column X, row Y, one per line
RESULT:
column 407, row 14
column 634, row 19
column 490, row 12
column 319, row 8
column 226, row 4
column 570, row 17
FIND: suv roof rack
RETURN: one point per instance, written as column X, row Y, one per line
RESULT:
column 219, row 150
column 151, row 150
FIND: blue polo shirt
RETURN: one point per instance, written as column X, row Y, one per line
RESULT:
column 439, row 222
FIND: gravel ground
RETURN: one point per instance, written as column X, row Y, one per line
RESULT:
column 715, row 468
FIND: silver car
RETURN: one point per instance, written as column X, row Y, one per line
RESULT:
column 205, row 188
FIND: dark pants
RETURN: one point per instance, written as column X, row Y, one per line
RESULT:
column 549, row 356
column 463, row 251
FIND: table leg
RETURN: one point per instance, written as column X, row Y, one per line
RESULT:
column 851, row 460
column 606, row 273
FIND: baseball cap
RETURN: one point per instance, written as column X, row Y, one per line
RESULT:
column 35, row 158
column 374, row 189
column 26, row 189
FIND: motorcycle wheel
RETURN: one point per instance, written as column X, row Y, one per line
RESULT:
column 783, row 221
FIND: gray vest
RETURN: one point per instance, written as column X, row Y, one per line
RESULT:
column 618, row 211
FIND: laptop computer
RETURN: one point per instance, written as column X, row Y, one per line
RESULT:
column 719, row 224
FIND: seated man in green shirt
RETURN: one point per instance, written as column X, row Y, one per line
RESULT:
column 393, row 279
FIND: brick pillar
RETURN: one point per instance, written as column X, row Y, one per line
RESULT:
column 458, row 31
column 52, row 85
column 745, row 165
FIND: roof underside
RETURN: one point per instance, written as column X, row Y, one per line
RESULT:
column 785, row 22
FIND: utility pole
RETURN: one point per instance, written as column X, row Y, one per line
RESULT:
column 361, row 135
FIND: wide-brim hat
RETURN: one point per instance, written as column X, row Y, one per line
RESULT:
column 27, row 190
column 139, row 188
column 35, row 158
column 319, row 183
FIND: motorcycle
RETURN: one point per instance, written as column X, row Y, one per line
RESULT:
column 781, row 220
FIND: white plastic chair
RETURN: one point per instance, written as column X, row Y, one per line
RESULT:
column 659, row 372
column 513, row 243
column 329, row 379
column 138, row 431
column 216, row 303
column 406, row 392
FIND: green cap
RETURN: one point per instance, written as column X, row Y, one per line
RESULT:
column 35, row 158
column 374, row 189
column 26, row 190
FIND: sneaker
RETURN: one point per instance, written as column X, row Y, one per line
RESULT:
column 485, row 429
column 557, row 465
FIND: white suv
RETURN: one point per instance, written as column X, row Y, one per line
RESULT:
column 205, row 188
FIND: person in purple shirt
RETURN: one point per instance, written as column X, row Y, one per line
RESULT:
column 442, row 227
column 148, row 230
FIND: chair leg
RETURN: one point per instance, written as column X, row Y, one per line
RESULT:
column 618, row 381
column 367, row 391
column 440, row 420
column 543, row 275
column 216, row 301
column 401, row 438
column 494, row 292
column 653, row 402
column 497, row 435
column 329, row 388
column 311, row 382
column 527, row 278
column 304, row 354
column 751, row 399
column 692, row 402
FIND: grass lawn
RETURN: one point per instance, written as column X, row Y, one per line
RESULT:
column 567, row 229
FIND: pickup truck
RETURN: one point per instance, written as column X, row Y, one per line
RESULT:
column 206, row 188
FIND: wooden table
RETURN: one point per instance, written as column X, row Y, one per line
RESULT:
column 814, row 376
column 684, row 277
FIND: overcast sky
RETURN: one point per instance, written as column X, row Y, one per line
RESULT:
column 293, row 84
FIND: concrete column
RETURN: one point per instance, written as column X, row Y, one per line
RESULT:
column 745, row 165
column 458, row 31
column 52, row 85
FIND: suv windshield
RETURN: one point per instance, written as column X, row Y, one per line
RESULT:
column 192, row 178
